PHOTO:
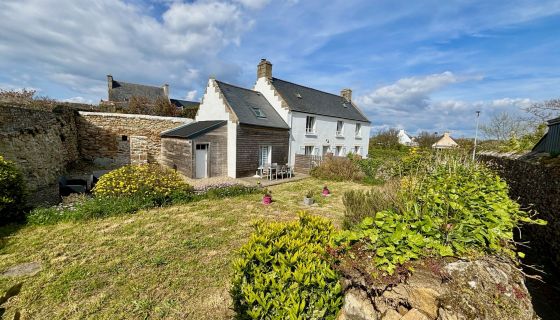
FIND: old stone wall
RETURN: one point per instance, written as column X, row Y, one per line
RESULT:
column 537, row 187
column 118, row 139
column 41, row 143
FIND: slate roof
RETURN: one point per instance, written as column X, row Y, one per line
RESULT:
column 194, row 129
column 184, row 103
column 123, row 91
column 309, row 100
column 242, row 101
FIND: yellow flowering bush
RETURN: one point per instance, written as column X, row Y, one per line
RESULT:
column 11, row 192
column 141, row 180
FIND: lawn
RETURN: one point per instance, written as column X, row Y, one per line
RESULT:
column 164, row 263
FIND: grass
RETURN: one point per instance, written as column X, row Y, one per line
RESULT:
column 163, row 263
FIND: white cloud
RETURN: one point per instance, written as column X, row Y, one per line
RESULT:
column 410, row 92
column 191, row 95
column 78, row 100
column 75, row 43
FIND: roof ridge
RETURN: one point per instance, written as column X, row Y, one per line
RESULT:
column 139, row 84
column 300, row 85
column 238, row 87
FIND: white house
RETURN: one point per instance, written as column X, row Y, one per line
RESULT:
column 320, row 122
column 405, row 139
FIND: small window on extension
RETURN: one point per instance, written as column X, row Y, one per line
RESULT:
column 258, row 112
column 124, row 138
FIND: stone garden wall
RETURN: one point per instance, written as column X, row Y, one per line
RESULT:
column 537, row 187
column 118, row 139
column 41, row 143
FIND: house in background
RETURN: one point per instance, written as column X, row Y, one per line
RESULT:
column 120, row 93
column 405, row 139
column 445, row 142
column 320, row 122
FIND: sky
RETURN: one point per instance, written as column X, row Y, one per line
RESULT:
column 414, row 65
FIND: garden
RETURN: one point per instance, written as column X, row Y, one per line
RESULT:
column 147, row 246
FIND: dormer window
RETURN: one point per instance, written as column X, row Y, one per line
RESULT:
column 258, row 112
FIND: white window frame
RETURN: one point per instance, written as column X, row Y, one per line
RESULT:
column 358, row 130
column 313, row 128
column 358, row 150
column 268, row 155
column 308, row 150
column 339, row 151
column 340, row 132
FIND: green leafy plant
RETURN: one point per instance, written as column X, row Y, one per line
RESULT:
column 310, row 194
column 12, row 292
column 281, row 272
column 12, row 192
column 267, row 192
column 454, row 208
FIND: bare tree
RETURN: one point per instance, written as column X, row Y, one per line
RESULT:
column 385, row 138
column 502, row 126
column 426, row 139
column 546, row 110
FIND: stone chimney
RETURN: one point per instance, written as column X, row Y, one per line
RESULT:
column 110, row 81
column 264, row 69
column 166, row 90
column 346, row 94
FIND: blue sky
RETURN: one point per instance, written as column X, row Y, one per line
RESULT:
column 425, row 65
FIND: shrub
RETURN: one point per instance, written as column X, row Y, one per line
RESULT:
column 141, row 180
column 456, row 208
column 281, row 272
column 361, row 204
column 12, row 192
column 338, row 169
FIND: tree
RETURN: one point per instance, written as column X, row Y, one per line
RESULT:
column 163, row 107
column 139, row 105
column 502, row 126
column 426, row 139
column 546, row 110
column 385, row 138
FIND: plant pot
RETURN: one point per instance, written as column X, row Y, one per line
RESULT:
column 308, row 201
column 326, row 192
column 267, row 200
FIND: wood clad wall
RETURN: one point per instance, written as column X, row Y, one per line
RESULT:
column 250, row 138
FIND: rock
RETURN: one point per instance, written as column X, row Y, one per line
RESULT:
column 357, row 306
column 414, row 314
column 487, row 288
column 391, row 315
column 424, row 299
column 24, row 269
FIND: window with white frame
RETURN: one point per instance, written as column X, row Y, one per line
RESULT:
column 310, row 125
column 339, row 151
column 309, row 150
column 265, row 155
column 340, row 128
column 358, row 129
column 358, row 150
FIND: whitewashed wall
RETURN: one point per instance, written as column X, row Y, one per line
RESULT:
column 326, row 135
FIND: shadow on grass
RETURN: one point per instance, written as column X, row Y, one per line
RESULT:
column 7, row 230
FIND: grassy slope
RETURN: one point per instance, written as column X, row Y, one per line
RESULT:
column 162, row 263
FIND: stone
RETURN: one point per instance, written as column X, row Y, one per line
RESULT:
column 414, row 314
column 424, row 299
column 357, row 306
column 391, row 315
column 24, row 269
